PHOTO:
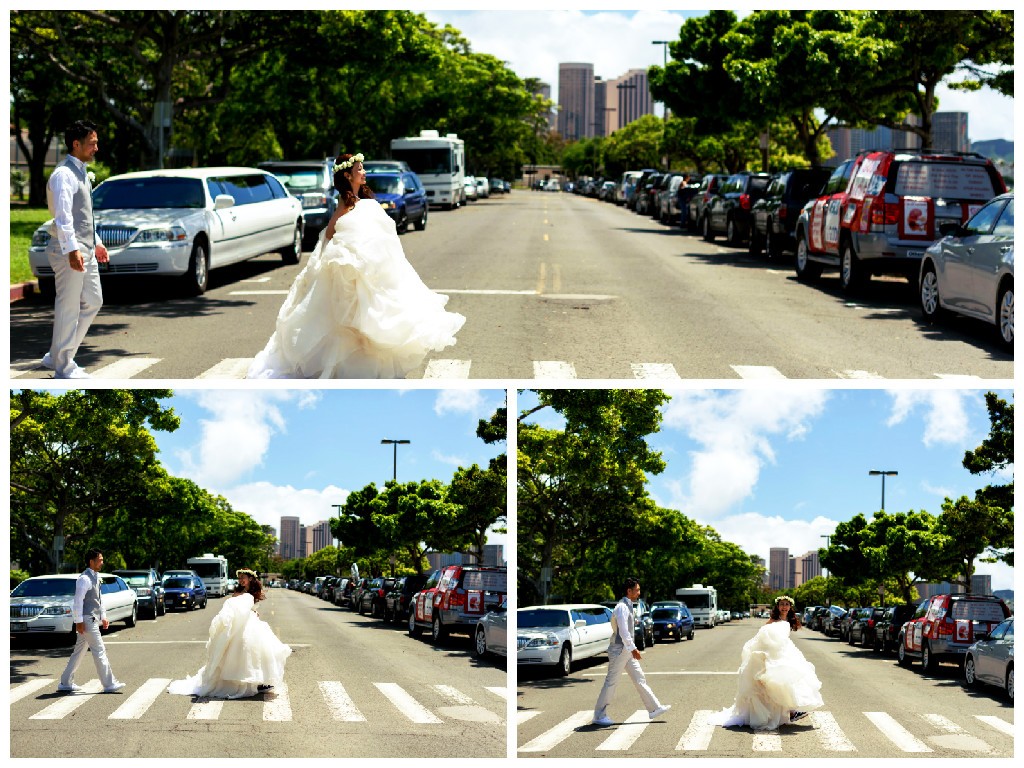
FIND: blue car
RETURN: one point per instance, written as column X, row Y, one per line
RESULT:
column 186, row 592
column 402, row 196
column 672, row 621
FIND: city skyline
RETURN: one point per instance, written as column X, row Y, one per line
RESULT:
column 617, row 41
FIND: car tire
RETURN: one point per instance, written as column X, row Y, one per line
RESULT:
column 480, row 643
column 156, row 612
column 849, row 638
column 754, row 245
column 47, row 287
column 852, row 275
column 806, row 270
column 690, row 636
column 901, row 653
column 130, row 621
column 732, row 232
column 1004, row 316
column 359, row 609
column 927, row 659
column 1008, row 685
column 705, row 229
column 565, row 661
column 388, row 615
column 970, row 672
column 772, row 244
column 197, row 278
column 402, row 225
column 292, row 253
column 422, row 223
column 928, row 293
column 414, row 629
column 438, row 634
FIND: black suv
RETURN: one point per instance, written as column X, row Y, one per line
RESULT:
column 312, row 182
column 709, row 186
column 887, row 628
column 863, row 626
column 774, row 215
column 647, row 192
column 396, row 602
column 728, row 211
column 148, row 588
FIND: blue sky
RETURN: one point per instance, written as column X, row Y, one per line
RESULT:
column 533, row 42
column 779, row 468
column 274, row 452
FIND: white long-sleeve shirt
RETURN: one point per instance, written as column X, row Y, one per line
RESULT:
column 63, row 184
column 623, row 612
column 83, row 585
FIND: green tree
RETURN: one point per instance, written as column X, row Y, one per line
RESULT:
column 995, row 454
column 583, row 484
column 76, row 458
column 639, row 144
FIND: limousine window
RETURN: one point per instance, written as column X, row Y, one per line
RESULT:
column 111, row 584
column 246, row 190
column 276, row 189
column 149, row 193
column 541, row 619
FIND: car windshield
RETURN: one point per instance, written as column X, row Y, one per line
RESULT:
column 665, row 613
column 138, row 580
column 45, row 588
column 541, row 619
column 178, row 583
column 160, row 192
column 299, row 180
column 389, row 185
column 426, row 160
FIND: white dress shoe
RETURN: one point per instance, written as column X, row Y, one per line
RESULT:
column 659, row 711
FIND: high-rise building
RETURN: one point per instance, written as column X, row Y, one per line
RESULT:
column 810, row 567
column 778, row 568
column 289, row 537
column 575, row 100
column 981, row 584
column 322, row 536
column 543, row 90
column 949, row 132
column 306, row 540
column 634, row 97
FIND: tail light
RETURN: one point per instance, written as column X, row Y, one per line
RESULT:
column 871, row 623
column 945, row 627
column 783, row 210
column 883, row 213
column 455, row 598
column 745, row 201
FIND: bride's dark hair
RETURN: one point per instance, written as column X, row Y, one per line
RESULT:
column 255, row 589
column 792, row 617
column 349, row 196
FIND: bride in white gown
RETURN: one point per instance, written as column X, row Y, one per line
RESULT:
column 777, row 685
column 358, row 309
column 243, row 655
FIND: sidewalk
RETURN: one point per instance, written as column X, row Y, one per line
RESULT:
column 21, row 290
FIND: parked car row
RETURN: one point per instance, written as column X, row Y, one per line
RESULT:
column 456, row 599
column 943, row 221
column 973, row 631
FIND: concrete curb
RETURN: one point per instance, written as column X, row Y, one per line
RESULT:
column 23, row 290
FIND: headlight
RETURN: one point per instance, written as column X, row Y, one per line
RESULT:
column 57, row 610
column 542, row 642
column 388, row 205
column 314, row 201
column 168, row 235
column 40, row 238
column 143, row 591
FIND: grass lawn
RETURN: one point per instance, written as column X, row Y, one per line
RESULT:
column 24, row 221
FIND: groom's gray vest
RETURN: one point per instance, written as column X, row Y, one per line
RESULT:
column 81, row 210
column 616, row 642
column 91, row 603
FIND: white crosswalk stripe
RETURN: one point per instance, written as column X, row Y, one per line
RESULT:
column 69, row 702
column 141, row 700
column 757, row 372
column 277, row 708
column 27, row 689
column 552, row 737
column 124, row 369
column 653, row 371
column 501, row 693
column 447, row 369
column 697, row 737
column 406, row 704
column 830, row 734
column 998, row 723
column 626, row 734
column 230, row 368
column 341, row 705
column 553, row 369
column 896, row 733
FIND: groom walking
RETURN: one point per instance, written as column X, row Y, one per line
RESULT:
column 73, row 251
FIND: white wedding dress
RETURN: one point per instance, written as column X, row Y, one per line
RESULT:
column 774, row 680
column 358, row 309
column 242, row 654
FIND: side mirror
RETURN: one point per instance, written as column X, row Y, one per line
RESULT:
column 950, row 229
column 220, row 202
column 580, row 623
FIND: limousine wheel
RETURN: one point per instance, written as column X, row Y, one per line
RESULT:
column 198, row 275
column 130, row 621
column 292, row 254
column 565, row 661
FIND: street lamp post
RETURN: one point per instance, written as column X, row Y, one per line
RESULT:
column 338, row 507
column 395, row 443
column 883, row 473
column 664, row 65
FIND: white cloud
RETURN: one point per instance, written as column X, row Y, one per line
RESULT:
column 735, row 430
column 235, row 438
column 459, row 401
column 939, row 491
column 945, row 417
column 267, row 503
column 756, row 534
column 455, row 461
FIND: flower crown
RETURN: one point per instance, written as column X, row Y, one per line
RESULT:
column 780, row 598
column 346, row 164
column 247, row 571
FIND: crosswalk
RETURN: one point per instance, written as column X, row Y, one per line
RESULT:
column 424, row 705
column 235, row 368
column 908, row 734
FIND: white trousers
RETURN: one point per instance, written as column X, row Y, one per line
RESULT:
column 90, row 640
column 79, row 298
column 617, row 664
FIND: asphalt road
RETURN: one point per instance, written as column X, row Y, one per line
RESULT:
column 354, row 687
column 554, row 286
column 873, row 707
